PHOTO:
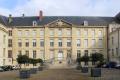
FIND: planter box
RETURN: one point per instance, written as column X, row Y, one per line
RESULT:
column 24, row 74
column 78, row 67
column 33, row 70
column 95, row 72
column 84, row 69
column 40, row 68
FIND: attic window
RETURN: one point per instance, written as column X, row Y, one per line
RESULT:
column 34, row 23
column 85, row 23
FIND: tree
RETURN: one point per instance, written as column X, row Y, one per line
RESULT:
column 33, row 61
column 40, row 61
column 97, row 57
column 22, row 59
column 85, row 59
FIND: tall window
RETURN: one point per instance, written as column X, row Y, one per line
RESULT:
column 78, row 42
column 27, row 32
column 9, row 53
column 93, row 33
column 42, row 43
column 59, row 32
column 85, row 33
column 34, row 42
column 34, row 33
column 51, row 32
column 19, row 33
column 86, row 54
column 27, row 53
column 78, row 53
column 78, row 32
column 27, row 43
column 100, row 43
column 51, row 54
column 93, row 42
column 60, row 42
column 4, row 39
column 68, row 42
column 42, row 54
column 51, row 42
column 68, row 32
column 86, row 43
column 9, row 42
column 19, row 43
column 42, row 32
column 112, row 52
column 100, row 33
column 19, row 52
column 34, row 54
column 10, row 32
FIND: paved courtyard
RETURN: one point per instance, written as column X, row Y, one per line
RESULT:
column 62, row 74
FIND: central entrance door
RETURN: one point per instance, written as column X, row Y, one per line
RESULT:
column 60, row 55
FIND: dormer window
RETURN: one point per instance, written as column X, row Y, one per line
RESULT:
column 85, row 23
column 34, row 23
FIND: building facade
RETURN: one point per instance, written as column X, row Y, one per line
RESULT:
column 57, row 39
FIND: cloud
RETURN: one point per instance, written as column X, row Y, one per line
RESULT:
column 65, row 8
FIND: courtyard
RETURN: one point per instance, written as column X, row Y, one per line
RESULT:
column 62, row 74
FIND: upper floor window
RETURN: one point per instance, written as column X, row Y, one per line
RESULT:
column 27, row 53
column 51, row 32
column 10, row 32
column 78, row 32
column 59, row 32
column 9, row 42
column 34, row 54
column 78, row 42
column 60, row 42
column 42, row 32
column 93, row 42
column 78, row 53
column 19, row 33
column 34, row 32
column 68, row 32
column 20, row 43
column 27, row 32
column 27, row 43
column 68, row 42
column 34, row 42
column 93, row 33
column 19, row 52
column 42, row 42
column 86, row 43
column 9, row 53
column 85, row 33
column 100, row 43
column 51, row 42
column 4, row 39
column 100, row 33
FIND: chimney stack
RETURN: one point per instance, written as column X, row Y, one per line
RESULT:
column 10, row 18
column 23, row 15
column 40, row 15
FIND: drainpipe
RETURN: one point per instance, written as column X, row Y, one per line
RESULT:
column 108, row 56
column 118, row 48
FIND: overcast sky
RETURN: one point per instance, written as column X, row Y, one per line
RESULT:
column 60, row 7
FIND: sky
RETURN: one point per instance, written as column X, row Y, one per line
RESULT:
column 60, row 7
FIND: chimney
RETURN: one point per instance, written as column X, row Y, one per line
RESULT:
column 23, row 15
column 40, row 15
column 10, row 18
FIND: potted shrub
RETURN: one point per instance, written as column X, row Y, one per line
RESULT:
column 79, row 63
column 85, row 59
column 40, row 61
column 24, row 73
column 34, row 62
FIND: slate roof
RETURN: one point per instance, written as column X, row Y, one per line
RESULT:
column 76, row 20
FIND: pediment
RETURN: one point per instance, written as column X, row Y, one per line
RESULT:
column 59, row 23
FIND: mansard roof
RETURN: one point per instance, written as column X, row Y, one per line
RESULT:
column 75, row 20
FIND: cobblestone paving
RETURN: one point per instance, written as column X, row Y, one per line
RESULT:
column 63, row 74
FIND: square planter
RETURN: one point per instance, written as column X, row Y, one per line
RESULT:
column 24, row 74
column 84, row 69
column 33, row 70
column 95, row 72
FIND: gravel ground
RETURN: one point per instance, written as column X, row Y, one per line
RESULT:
column 62, row 74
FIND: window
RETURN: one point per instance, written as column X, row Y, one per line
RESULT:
column 4, row 39
column 4, row 52
column 68, row 42
column 85, row 23
column 42, row 54
column 34, row 23
column 60, row 42
column 100, row 33
column 34, row 54
column 93, row 33
column 51, row 54
column 112, row 40
column 10, row 32
column 42, row 43
column 112, row 52
column 93, row 42
column 60, row 32
column 34, row 32
column 78, row 42
column 68, row 32
column 19, row 33
column 86, row 43
column 78, row 32
column 27, row 53
column 86, row 54
column 34, row 42
column 19, row 43
column 51, row 42
column 27, row 33
column 19, row 52
column 51, row 32
column 85, row 33
column 9, row 42
column 78, row 53
column 42, row 32
column 100, row 43
column 9, row 53
column 27, row 43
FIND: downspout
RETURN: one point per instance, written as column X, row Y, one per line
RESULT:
column 118, row 48
column 108, row 56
